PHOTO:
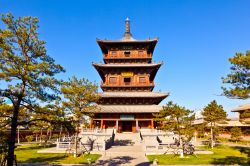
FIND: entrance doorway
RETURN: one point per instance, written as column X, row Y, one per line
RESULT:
column 126, row 126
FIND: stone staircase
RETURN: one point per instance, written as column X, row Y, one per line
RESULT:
column 126, row 150
column 129, row 138
column 126, row 144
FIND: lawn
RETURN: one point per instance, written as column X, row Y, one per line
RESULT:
column 28, row 154
column 222, row 155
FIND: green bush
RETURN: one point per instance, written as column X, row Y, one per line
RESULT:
column 245, row 114
column 236, row 134
column 29, row 138
column 55, row 136
column 3, row 142
column 44, row 138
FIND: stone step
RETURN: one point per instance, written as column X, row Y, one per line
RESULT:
column 126, row 148
column 116, row 154
column 128, row 136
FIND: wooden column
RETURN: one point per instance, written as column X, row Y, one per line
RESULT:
column 116, row 126
column 91, row 124
column 152, row 123
column 101, row 124
column 137, row 126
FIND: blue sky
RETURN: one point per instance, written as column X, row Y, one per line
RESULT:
column 196, row 38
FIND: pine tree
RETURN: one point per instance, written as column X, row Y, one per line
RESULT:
column 80, row 96
column 26, row 70
column 239, row 78
column 236, row 134
column 178, row 119
column 213, row 113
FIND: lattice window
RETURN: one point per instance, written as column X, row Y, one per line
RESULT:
column 127, row 80
column 113, row 53
column 127, row 53
column 140, row 53
column 112, row 80
column 142, row 80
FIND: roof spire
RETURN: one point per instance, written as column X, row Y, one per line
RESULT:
column 127, row 34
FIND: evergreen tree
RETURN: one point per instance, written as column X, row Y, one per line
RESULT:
column 213, row 113
column 245, row 116
column 236, row 134
column 5, row 115
column 239, row 78
column 4, row 145
column 200, row 129
column 26, row 70
column 176, row 118
column 80, row 97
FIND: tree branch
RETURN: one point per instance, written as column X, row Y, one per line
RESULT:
column 33, row 120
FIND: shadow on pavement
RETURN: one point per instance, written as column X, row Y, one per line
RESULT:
column 121, row 160
column 122, row 142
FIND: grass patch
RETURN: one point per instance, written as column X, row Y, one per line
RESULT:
column 222, row 155
column 241, row 142
column 28, row 154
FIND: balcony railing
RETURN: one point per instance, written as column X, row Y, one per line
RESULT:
column 120, row 54
column 126, row 84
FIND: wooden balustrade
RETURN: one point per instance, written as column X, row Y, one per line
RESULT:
column 123, row 55
column 122, row 84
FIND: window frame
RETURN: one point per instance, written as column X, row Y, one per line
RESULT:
column 113, row 82
column 142, row 82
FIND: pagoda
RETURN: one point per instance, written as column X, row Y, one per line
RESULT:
column 127, row 74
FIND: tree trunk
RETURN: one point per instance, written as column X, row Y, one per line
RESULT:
column 12, row 140
column 41, row 134
column 212, row 138
column 18, row 135
column 60, row 134
column 47, row 135
column 76, row 135
column 182, row 149
column 50, row 134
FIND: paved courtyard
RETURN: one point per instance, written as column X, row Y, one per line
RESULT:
column 127, row 150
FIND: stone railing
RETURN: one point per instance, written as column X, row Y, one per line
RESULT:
column 98, row 140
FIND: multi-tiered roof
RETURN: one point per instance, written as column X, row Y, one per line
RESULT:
column 129, row 63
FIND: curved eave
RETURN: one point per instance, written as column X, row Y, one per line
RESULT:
column 128, row 65
column 153, row 73
column 242, row 108
column 158, row 98
column 101, row 68
column 104, row 44
column 100, row 71
column 133, row 95
column 154, row 96
column 127, row 109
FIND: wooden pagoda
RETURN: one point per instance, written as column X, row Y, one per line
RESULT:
column 127, row 74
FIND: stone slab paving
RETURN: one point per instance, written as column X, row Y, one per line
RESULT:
column 123, row 160
column 39, row 164
column 30, row 164
column 124, row 153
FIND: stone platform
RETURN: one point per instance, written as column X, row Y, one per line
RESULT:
column 128, row 149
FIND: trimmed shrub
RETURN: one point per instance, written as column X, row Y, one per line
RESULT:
column 29, row 138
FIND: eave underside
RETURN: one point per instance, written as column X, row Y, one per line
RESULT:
column 132, row 94
column 105, row 45
column 105, row 68
column 242, row 108
column 127, row 109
